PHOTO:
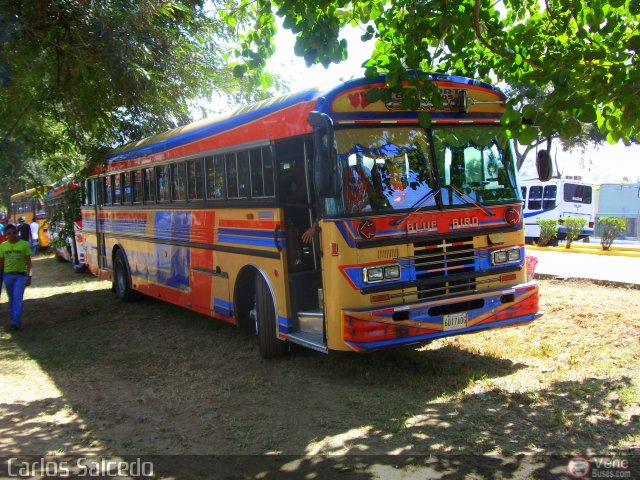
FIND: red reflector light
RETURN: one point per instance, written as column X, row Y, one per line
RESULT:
column 380, row 298
column 512, row 216
column 334, row 249
column 506, row 278
column 590, row 224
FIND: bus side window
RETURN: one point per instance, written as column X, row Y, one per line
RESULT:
column 524, row 193
column 214, row 167
column 535, row 197
column 149, row 185
column 549, row 197
column 179, row 181
column 195, row 179
column 162, row 182
column 137, row 186
column 107, row 190
column 126, row 187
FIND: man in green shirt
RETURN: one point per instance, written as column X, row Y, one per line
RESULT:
column 15, row 266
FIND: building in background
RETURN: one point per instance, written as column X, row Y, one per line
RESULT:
column 621, row 200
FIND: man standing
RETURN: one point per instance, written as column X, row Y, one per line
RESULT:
column 35, row 239
column 24, row 231
column 15, row 265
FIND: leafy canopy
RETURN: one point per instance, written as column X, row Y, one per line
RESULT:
column 77, row 77
column 578, row 58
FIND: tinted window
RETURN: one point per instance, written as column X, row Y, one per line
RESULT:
column 577, row 193
column 179, row 179
column 535, row 198
column 261, row 165
column 232, row 175
column 162, row 183
column 149, row 185
column 126, row 187
column 242, row 159
column 215, row 177
column 195, row 177
column 108, row 196
column 137, row 186
column 549, row 197
column 117, row 191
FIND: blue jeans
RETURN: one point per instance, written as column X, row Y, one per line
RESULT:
column 35, row 244
column 15, row 285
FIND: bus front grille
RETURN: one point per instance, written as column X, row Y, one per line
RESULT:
column 438, row 259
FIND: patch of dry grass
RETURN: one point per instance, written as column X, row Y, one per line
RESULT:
column 147, row 377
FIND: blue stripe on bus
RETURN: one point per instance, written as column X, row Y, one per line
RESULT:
column 236, row 119
column 248, row 241
column 250, row 233
column 285, row 325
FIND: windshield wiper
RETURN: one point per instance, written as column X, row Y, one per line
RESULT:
column 419, row 204
column 487, row 211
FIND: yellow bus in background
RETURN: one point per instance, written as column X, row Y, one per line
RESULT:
column 26, row 204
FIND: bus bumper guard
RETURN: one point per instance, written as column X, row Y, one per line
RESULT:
column 420, row 321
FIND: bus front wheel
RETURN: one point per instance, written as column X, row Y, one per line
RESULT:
column 266, row 322
column 122, row 279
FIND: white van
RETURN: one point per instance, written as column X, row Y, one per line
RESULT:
column 557, row 198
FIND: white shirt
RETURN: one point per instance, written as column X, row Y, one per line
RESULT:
column 35, row 226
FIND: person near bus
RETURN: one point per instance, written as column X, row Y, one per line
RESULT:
column 35, row 238
column 15, row 266
column 24, row 231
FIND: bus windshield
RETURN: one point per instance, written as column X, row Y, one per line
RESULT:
column 474, row 163
column 388, row 169
column 381, row 169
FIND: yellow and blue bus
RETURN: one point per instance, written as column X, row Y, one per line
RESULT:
column 322, row 219
column 27, row 204
column 62, row 208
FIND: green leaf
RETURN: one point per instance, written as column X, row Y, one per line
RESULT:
column 528, row 135
column 424, row 119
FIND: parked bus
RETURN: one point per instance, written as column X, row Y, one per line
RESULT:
column 557, row 199
column 62, row 207
column 26, row 204
column 322, row 219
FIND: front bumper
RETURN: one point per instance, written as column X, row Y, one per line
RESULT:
column 420, row 321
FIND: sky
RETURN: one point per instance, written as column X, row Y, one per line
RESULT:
column 607, row 163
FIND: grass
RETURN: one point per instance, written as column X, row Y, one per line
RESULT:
column 150, row 378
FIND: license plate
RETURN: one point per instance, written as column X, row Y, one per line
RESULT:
column 454, row 321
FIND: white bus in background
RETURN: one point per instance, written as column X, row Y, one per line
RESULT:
column 557, row 198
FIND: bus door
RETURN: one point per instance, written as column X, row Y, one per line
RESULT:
column 295, row 192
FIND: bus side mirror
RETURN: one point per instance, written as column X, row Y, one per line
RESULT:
column 544, row 166
column 324, row 165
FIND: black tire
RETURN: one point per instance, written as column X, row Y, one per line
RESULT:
column 122, row 279
column 266, row 322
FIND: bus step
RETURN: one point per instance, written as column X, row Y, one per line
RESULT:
column 311, row 340
column 311, row 321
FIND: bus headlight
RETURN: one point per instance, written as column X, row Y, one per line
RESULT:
column 392, row 272
column 380, row 274
column 506, row 256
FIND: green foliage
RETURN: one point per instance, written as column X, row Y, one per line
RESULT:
column 573, row 57
column 62, row 217
column 574, row 227
column 548, row 230
column 76, row 77
column 612, row 227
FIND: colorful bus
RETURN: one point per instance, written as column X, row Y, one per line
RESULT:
column 557, row 198
column 322, row 219
column 27, row 204
column 62, row 207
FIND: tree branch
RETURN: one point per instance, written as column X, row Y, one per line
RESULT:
column 476, row 28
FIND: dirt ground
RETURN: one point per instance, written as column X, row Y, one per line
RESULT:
column 92, row 375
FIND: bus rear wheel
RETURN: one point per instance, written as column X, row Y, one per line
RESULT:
column 122, row 279
column 269, row 344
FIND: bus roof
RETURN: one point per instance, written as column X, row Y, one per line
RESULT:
column 25, row 193
column 286, row 116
